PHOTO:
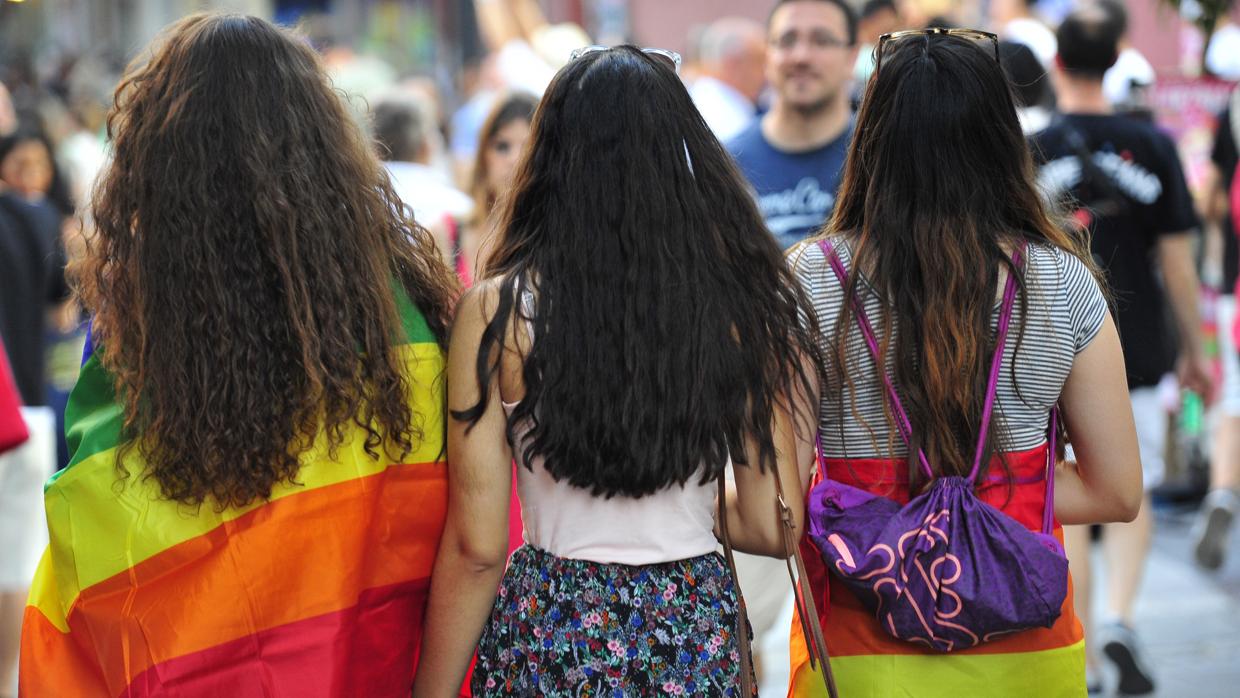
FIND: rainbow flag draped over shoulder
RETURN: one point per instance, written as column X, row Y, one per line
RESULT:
column 318, row 592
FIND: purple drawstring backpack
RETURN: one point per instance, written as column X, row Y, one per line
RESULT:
column 946, row 570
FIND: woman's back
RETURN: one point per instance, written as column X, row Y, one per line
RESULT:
column 936, row 201
column 674, row 523
column 1063, row 310
column 257, row 482
column 634, row 333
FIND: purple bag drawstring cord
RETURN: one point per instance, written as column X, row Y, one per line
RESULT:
column 905, row 426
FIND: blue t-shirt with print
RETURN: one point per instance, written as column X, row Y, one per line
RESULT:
column 795, row 191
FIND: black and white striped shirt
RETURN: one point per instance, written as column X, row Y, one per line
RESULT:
column 1065, row 307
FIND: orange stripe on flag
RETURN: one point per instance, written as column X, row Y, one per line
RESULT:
column 298, row 557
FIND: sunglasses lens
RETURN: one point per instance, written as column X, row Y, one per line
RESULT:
column 665, row 59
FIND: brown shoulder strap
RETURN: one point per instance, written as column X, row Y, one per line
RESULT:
column 806, row 609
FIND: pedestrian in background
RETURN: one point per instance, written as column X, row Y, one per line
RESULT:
column 500, row 144
column 792, row 157
column 938, row 236
column 1122, row 179
column 31, row 283
column 1222, row 504
column 731, row 75
column 257, row 431
column 622, row 354
column 403, row 122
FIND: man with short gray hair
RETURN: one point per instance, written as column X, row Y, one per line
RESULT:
column 732, row 53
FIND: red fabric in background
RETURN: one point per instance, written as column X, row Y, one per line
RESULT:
column 13, row 431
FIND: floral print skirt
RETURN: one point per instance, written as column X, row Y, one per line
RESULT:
column 563, row 627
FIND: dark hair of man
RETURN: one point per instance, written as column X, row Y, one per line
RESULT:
column 1088, row 42
column 850, row 15
column 875, row 7
column 400, row 128
column 1118, row 14
column 666, row 325
column 517, row 106
column 941, row 22
column 1026, row 73
column 244, row 271
column 937, row 182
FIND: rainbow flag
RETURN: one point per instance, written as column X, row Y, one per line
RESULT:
column 318, row 592
column 869, row 663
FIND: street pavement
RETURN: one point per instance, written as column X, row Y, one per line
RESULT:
column 1189, row 620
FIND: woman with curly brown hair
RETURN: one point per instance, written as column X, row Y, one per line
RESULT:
column 257, row 484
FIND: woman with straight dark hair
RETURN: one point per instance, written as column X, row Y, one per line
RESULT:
column 636, row 327
column 940, row 242
column 257, row 488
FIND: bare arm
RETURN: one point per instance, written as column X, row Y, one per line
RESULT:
column 529, row 16
column 753, row 521
column 1105, row 483
column 475, row 538
column 501, row 21
column 497, row 23
column 1175, row 256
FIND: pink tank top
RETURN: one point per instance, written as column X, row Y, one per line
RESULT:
column 675, row 523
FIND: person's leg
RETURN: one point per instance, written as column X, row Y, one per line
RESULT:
column 12, row 604
column 1125, row 547
column 23, row 531
column 1222, row 504
column 1078, row 546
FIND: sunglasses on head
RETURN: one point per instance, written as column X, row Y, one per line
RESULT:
column 976, row 35
column 669, row 58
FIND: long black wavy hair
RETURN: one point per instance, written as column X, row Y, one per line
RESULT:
column 666, row 326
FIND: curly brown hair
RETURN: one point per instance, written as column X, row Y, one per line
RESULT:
column 244, row 273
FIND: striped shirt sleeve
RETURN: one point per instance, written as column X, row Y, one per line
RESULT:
column 1082, row 298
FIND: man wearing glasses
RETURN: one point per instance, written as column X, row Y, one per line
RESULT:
column 793, row 156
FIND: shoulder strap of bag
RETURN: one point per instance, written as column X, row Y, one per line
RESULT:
column 805, row 606
column 903, row 424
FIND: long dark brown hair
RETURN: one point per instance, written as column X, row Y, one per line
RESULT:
column 938, row 181
column 244, row 273
column 666, row 327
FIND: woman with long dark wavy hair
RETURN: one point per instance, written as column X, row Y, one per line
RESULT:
column 938, row 207
column 635, row 328
column 256, row 489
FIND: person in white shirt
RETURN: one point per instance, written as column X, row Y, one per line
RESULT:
column 1223, row 53
column 403, row 126
column 1013, row 20
column 1131, row 72
column 732, row 57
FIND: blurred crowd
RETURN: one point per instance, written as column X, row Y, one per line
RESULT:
column 783, row 109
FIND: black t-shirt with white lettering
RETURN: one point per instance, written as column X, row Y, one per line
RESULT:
column 1148, row 199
